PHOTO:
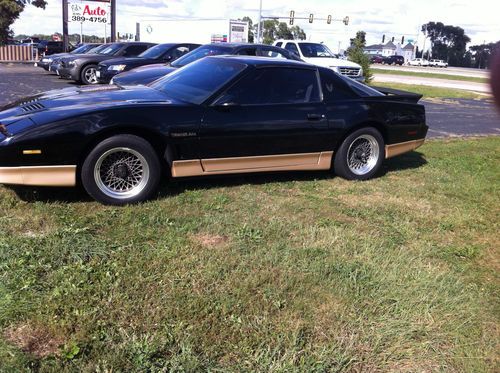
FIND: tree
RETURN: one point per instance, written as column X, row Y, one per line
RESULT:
column 10, row 11
column 272, row 30
column 251, row 32
column 448, row 42
column 356, row 53
column 481, row 54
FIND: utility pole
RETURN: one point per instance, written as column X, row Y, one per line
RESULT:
column 65, row 25
column 113, row 21
column 260, row 20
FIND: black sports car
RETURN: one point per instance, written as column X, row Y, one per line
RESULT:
column 165, row 53
column 82, row 67
column 218, row 115
column 148, row 74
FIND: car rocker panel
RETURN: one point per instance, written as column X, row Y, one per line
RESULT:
column 115, row 139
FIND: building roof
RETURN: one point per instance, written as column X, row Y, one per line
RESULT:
column 408, row 46
column 389, row 45
column 374, row 46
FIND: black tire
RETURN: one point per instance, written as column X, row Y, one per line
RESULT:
column 85, row 75
column 121, row 170
column 358, row 138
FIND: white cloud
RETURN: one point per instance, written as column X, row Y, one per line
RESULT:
column 389, row 17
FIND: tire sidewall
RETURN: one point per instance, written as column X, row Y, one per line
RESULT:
column 340, row 162
column 129, row 141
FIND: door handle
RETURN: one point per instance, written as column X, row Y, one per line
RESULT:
column 315, row 116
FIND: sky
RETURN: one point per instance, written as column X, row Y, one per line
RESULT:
column 479, row 19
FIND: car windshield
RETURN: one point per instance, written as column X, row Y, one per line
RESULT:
column 196, row 82
column 315, row 50
column 209, row 50
column 156, row 51
column 111, row 49
column 82, row 49
column 97, row 49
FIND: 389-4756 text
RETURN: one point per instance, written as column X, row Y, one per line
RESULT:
column 89, row 19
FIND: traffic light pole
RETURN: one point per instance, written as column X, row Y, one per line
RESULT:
column 113, row 21
column 65, row 25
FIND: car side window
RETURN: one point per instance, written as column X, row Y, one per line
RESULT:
column 274, row 86
column 134, row 50
column 291, row 47
column 177, row 52
column 247, row 52
column 279, row 44
column 333, row 88
column 270, row 52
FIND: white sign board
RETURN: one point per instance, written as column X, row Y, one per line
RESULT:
column 89, row 12
column 238, row 31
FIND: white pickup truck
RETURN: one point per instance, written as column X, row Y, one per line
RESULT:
column 318, row 54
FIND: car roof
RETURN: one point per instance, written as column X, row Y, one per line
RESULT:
column 237, row 45
column 265, row 61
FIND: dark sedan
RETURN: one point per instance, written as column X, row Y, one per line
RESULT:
column 147, row 74
column 82, row 67
column 161, row 53
column 218, row 115
column 45, row 62
column 394, row 60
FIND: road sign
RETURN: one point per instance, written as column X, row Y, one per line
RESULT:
column 89, row 12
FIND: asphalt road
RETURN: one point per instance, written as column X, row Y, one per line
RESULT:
column 446, row 117
column 462, row 71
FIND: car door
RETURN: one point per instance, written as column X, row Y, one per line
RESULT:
column 271, row 116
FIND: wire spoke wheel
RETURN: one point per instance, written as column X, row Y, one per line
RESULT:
column 363, row 154
column 121, row 173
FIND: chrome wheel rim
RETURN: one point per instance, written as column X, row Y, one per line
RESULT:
column 121, row 173
column 363, row 154
column 90, row 75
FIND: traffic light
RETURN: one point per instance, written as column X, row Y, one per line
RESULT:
column 346, row 21
column 383, row 39
column 311, row 18
column 402, row 40
column 393, row 39
column 292, row 16
column 329, row 19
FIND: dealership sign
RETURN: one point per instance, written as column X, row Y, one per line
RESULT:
column 238, row 31
column 89, row 12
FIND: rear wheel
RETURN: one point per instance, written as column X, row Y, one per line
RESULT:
column 360, row 155
column 120, row 170
column 88, row 75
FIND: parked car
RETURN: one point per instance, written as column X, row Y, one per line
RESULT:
column 377, row 58
column 217, row 115
column 47, row 47
column 418, row 62
column 55, row 64
column 147, row 74
column 438, row 63
column 161, row 53
column 394, row 60
column 82, row 67
column 45, row 62
column 318, row 54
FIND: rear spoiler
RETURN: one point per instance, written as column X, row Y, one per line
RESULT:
column 399, row 95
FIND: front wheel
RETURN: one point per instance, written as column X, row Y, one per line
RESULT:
column 120, row 170
column 360, row 155
column 89, row 75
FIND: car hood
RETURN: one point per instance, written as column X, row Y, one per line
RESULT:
column 143, row 74
column 64, row 103
column 330, row 62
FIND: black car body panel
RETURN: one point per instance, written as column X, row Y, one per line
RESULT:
column 150, row 73
column 169, row 53
column 394, row 59
column 58, row 128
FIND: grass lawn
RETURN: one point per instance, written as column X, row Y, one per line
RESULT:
column 430, row 74
column 291, row 272
column 434, row 92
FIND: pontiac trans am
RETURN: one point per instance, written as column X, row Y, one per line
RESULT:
column 218, row 115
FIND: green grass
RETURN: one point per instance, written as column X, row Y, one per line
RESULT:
column 432, row 92
column 433, row 75
column 290, row 272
